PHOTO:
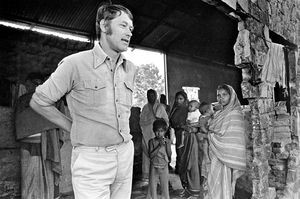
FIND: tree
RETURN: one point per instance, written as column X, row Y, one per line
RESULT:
column 148, row 77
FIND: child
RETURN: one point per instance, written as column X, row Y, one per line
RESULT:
column 207, row 112
column 192, row 118
column 160, row 156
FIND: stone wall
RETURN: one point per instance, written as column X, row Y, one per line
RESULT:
column 275, row 124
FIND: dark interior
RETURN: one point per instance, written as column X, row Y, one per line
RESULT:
column 190, row 27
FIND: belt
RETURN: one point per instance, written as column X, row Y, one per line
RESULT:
column 106, row 148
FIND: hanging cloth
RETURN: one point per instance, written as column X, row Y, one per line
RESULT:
column 274, row 68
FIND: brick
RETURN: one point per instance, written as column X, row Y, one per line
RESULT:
column 242, row 48
column 260, row 188
column 259, row 169
column 244, row 5
column 248, row 91
column 271, row 193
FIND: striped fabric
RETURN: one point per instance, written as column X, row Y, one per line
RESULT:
column 227, row 149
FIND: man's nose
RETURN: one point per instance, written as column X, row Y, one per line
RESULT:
column 129, row 33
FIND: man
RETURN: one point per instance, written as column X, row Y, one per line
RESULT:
column 39, row 146
column 98, row 84
column 151, row 111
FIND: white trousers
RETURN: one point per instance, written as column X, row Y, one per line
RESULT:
column 102, row 172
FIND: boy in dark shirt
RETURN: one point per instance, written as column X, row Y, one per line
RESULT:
column 160, row 155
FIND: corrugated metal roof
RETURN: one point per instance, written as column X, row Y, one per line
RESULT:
column 166, row 25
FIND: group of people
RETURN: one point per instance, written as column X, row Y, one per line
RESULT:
column 98, row 86
column 210, row 144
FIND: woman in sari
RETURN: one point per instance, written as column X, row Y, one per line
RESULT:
column 187, row 156
column 227, row 147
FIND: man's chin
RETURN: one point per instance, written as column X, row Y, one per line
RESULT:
column 120, row 50
column 125, row 48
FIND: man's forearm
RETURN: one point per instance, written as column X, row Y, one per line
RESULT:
column 52, row 114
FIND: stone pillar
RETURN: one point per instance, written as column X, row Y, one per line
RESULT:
column 250, row 50
column 273, row 150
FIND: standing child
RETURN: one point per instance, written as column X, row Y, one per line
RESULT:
column 160, row 155
column 192, row 118
column 207, row 112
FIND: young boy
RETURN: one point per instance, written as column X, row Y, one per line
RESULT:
column 160, row 155
column 192, row 118
column 207, row 112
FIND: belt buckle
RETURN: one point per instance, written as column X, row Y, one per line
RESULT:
column 110, row 148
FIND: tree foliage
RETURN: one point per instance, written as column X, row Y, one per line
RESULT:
column 148, row 77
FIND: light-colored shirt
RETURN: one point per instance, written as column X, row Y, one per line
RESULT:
column 99, row 98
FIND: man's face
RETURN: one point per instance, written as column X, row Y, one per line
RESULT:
column 118, row 32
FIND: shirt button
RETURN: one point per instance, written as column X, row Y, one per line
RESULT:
column 119, row 116
column 117, row 100
column 96, row 87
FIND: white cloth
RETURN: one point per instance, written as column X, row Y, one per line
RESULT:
column 274, row 68
column 193, row 117
column 102, row 172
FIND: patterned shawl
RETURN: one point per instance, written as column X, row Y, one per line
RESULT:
column 227, row 150
column 228, row 140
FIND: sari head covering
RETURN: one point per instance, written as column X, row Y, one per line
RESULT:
column 227, row 148
column 175, row 104
column 178, row 113
column 228, row 137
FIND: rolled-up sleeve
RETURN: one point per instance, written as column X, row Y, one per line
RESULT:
column 58, row 84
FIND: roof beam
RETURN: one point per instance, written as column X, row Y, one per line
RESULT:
column 158, row 22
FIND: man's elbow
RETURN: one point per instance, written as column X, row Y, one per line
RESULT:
column 35, row 106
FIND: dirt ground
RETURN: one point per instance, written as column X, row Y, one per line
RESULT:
column 139, row 188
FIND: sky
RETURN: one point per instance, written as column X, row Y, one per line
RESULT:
column 140, row 56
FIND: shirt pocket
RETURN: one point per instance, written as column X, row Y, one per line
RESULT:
column 128, row 87
column 96, row 89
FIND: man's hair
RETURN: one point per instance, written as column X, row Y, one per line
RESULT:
column 109, row 12
column 204, row 106
column 159, row 123
column 195, row 102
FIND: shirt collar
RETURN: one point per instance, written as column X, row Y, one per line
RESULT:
column 100, row 56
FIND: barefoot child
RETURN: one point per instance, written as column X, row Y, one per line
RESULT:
column 160, row 155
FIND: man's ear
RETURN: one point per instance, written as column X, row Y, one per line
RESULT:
column 103, row 25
